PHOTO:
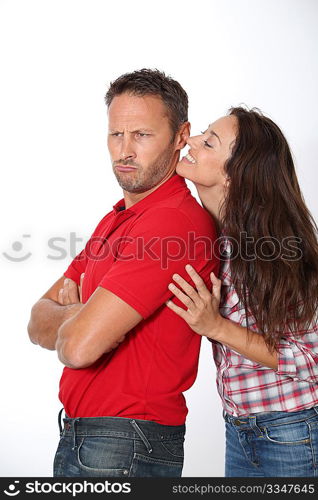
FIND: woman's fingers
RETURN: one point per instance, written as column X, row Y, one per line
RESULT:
column 178, row 310
column 202, row 313
column 187, row 288
column 198, row 281
column 185, row 299
column 216, row 287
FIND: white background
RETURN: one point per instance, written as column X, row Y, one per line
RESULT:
column 57, row 59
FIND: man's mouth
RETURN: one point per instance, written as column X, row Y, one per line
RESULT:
column 125, row 168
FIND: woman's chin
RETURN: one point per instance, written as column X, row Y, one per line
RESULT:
column 182, row 171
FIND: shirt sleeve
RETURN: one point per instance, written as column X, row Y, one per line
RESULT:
column 298, row 355
column 77, row 267
column 79, row 263
column 159, row 245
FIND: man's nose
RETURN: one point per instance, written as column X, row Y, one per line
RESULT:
column 127, row 150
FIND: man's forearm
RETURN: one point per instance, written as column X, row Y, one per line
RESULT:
column 46, row 318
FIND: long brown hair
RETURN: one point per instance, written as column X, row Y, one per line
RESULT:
column 275, row 271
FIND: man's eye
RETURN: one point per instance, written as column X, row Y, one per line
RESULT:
column 116, row 134
column 207, row 144
column 141, row 134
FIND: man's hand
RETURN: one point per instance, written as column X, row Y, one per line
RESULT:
column 70, row 293
column 59, row 304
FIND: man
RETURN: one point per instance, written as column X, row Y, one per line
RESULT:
column 127, row 357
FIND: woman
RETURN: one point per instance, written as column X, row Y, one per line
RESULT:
column 265, row 333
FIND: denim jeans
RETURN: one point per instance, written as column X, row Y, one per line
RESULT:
column 118, row 447
column 273, row 444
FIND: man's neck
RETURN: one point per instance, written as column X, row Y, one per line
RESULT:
column 133, row 198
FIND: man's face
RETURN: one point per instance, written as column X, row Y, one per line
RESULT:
column 140, row 141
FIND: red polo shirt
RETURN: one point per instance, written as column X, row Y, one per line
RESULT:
column 134, row 253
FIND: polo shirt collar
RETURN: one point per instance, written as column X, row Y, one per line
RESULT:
column 167, row 189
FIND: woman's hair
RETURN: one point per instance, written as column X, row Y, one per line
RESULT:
column 275, row 269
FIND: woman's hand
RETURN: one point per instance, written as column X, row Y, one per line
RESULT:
column 202, row 314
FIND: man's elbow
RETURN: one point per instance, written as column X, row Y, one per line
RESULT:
column 73, row 361
column 73, row 357
column 79, row 348
column 31, row 328
column 77, row 357
column 71, row 352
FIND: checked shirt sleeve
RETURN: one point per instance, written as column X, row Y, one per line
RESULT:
column 298, row 356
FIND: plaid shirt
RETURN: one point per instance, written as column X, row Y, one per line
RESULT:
column 247, row 387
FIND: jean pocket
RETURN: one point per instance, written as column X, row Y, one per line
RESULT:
column 174, row 447
column 105, row 456
column 292, row 433
column 171, row 454
column 148, row 466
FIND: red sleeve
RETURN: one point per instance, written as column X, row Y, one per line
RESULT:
column 77, row 267
column 158, row 246
column 79, row 263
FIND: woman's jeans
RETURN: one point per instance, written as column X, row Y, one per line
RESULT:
column 118, row 447
column 274, row 444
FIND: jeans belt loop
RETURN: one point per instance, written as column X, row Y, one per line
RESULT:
column 315, row 408
column 141, row 435
column 74, row 433
column 255, row 427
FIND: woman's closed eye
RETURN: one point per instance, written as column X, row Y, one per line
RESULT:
column 207, row 144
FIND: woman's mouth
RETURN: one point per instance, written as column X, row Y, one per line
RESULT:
column 189, row 159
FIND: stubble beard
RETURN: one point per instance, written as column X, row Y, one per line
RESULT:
column 144, row 179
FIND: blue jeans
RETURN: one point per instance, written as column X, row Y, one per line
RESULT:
column 118, row 447
column 273, row 444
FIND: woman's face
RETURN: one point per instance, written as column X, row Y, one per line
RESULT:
column 204, row 163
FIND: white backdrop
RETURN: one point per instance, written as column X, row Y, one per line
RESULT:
column 57, row 59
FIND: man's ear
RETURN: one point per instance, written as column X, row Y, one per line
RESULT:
column 182, row 135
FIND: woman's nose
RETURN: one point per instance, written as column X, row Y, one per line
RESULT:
column 192, row 141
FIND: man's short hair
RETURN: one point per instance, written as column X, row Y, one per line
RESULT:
column 145, row 82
